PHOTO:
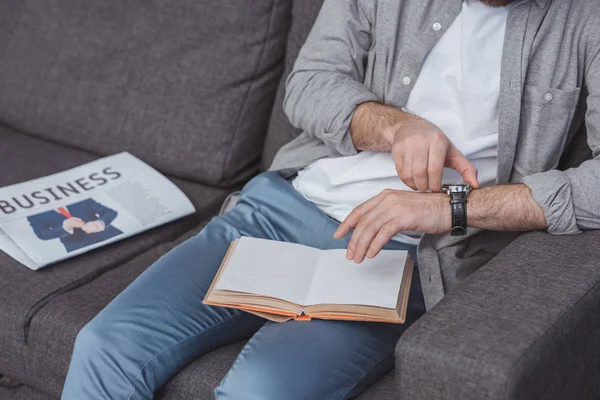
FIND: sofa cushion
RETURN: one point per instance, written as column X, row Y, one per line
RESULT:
column 187, row 86
column 23, row 292
column 384, row 389
column 304, row 14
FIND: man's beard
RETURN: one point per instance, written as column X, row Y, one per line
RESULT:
column 497, row 3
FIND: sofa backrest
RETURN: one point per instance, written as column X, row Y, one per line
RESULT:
column 186, row 85
column 280, row 130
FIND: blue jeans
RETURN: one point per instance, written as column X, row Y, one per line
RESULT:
column 159, row 324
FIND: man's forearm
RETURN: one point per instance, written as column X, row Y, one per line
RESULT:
column 376, row 221
column 505, row 208
column 373, row 126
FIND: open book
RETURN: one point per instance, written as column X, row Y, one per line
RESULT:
column 280, row 281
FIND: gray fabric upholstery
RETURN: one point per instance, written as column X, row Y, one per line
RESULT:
column 384, row 389
column 280, row 130
column 186, row 86
column 525, row 326
column 23, row 393
column 24, row 293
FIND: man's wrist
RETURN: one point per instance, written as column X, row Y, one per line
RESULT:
column 390, row 129
column 396, row 123
column 442, row 205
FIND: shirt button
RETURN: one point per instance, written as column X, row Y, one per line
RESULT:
column 548, row 97
column 406, row 80
column 437, row 26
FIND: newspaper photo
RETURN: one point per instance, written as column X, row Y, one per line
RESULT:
column 59, row 216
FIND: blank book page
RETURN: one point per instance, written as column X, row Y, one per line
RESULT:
column 270, row 268
column 374, row 282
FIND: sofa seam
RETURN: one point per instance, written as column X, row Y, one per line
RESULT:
column 249, row 90
column 15, row 130
column 547, row 331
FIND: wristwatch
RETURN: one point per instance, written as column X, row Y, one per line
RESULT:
column 458, row 201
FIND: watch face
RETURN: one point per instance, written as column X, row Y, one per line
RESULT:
column 457, row 188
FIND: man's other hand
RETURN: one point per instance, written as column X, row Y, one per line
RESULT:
column 377, row 220
column 72, row 223
column 93, row 227
column 421, row 151
column 419, row 148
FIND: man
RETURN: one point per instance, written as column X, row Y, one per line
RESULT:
column 388, row 93
column 77, row 225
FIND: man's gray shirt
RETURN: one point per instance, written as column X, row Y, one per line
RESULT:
column 373, row 50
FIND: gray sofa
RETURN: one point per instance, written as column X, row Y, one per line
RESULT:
column 195, row 88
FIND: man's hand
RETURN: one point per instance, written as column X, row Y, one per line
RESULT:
column 93, row 227
column 72, row 223
column 377, row 220
column 419, row 148
column 498, row 208
column 421, row 151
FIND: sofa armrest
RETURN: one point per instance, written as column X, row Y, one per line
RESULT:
column 524, row 326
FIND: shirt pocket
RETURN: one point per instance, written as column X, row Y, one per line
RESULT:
column 546, row 116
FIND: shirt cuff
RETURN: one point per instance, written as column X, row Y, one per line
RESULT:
column 552, row 191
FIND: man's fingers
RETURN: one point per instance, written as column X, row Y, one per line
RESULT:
column 384, row 235
column 405, row 172
column 470, row 176
column 419, row 169
column 459, row 163
column 352, row 219
column 435, row 167
column 364, row 234
column 361, row 225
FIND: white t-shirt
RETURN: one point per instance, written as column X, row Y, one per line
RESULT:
column 457, row 90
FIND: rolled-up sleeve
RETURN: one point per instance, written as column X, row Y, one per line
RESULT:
column 571, row 198
column 553, row 192
column 326, row 84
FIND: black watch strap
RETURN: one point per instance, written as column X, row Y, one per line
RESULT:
column 458, row 202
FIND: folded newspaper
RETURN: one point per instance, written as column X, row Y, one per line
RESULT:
column 59, row 216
